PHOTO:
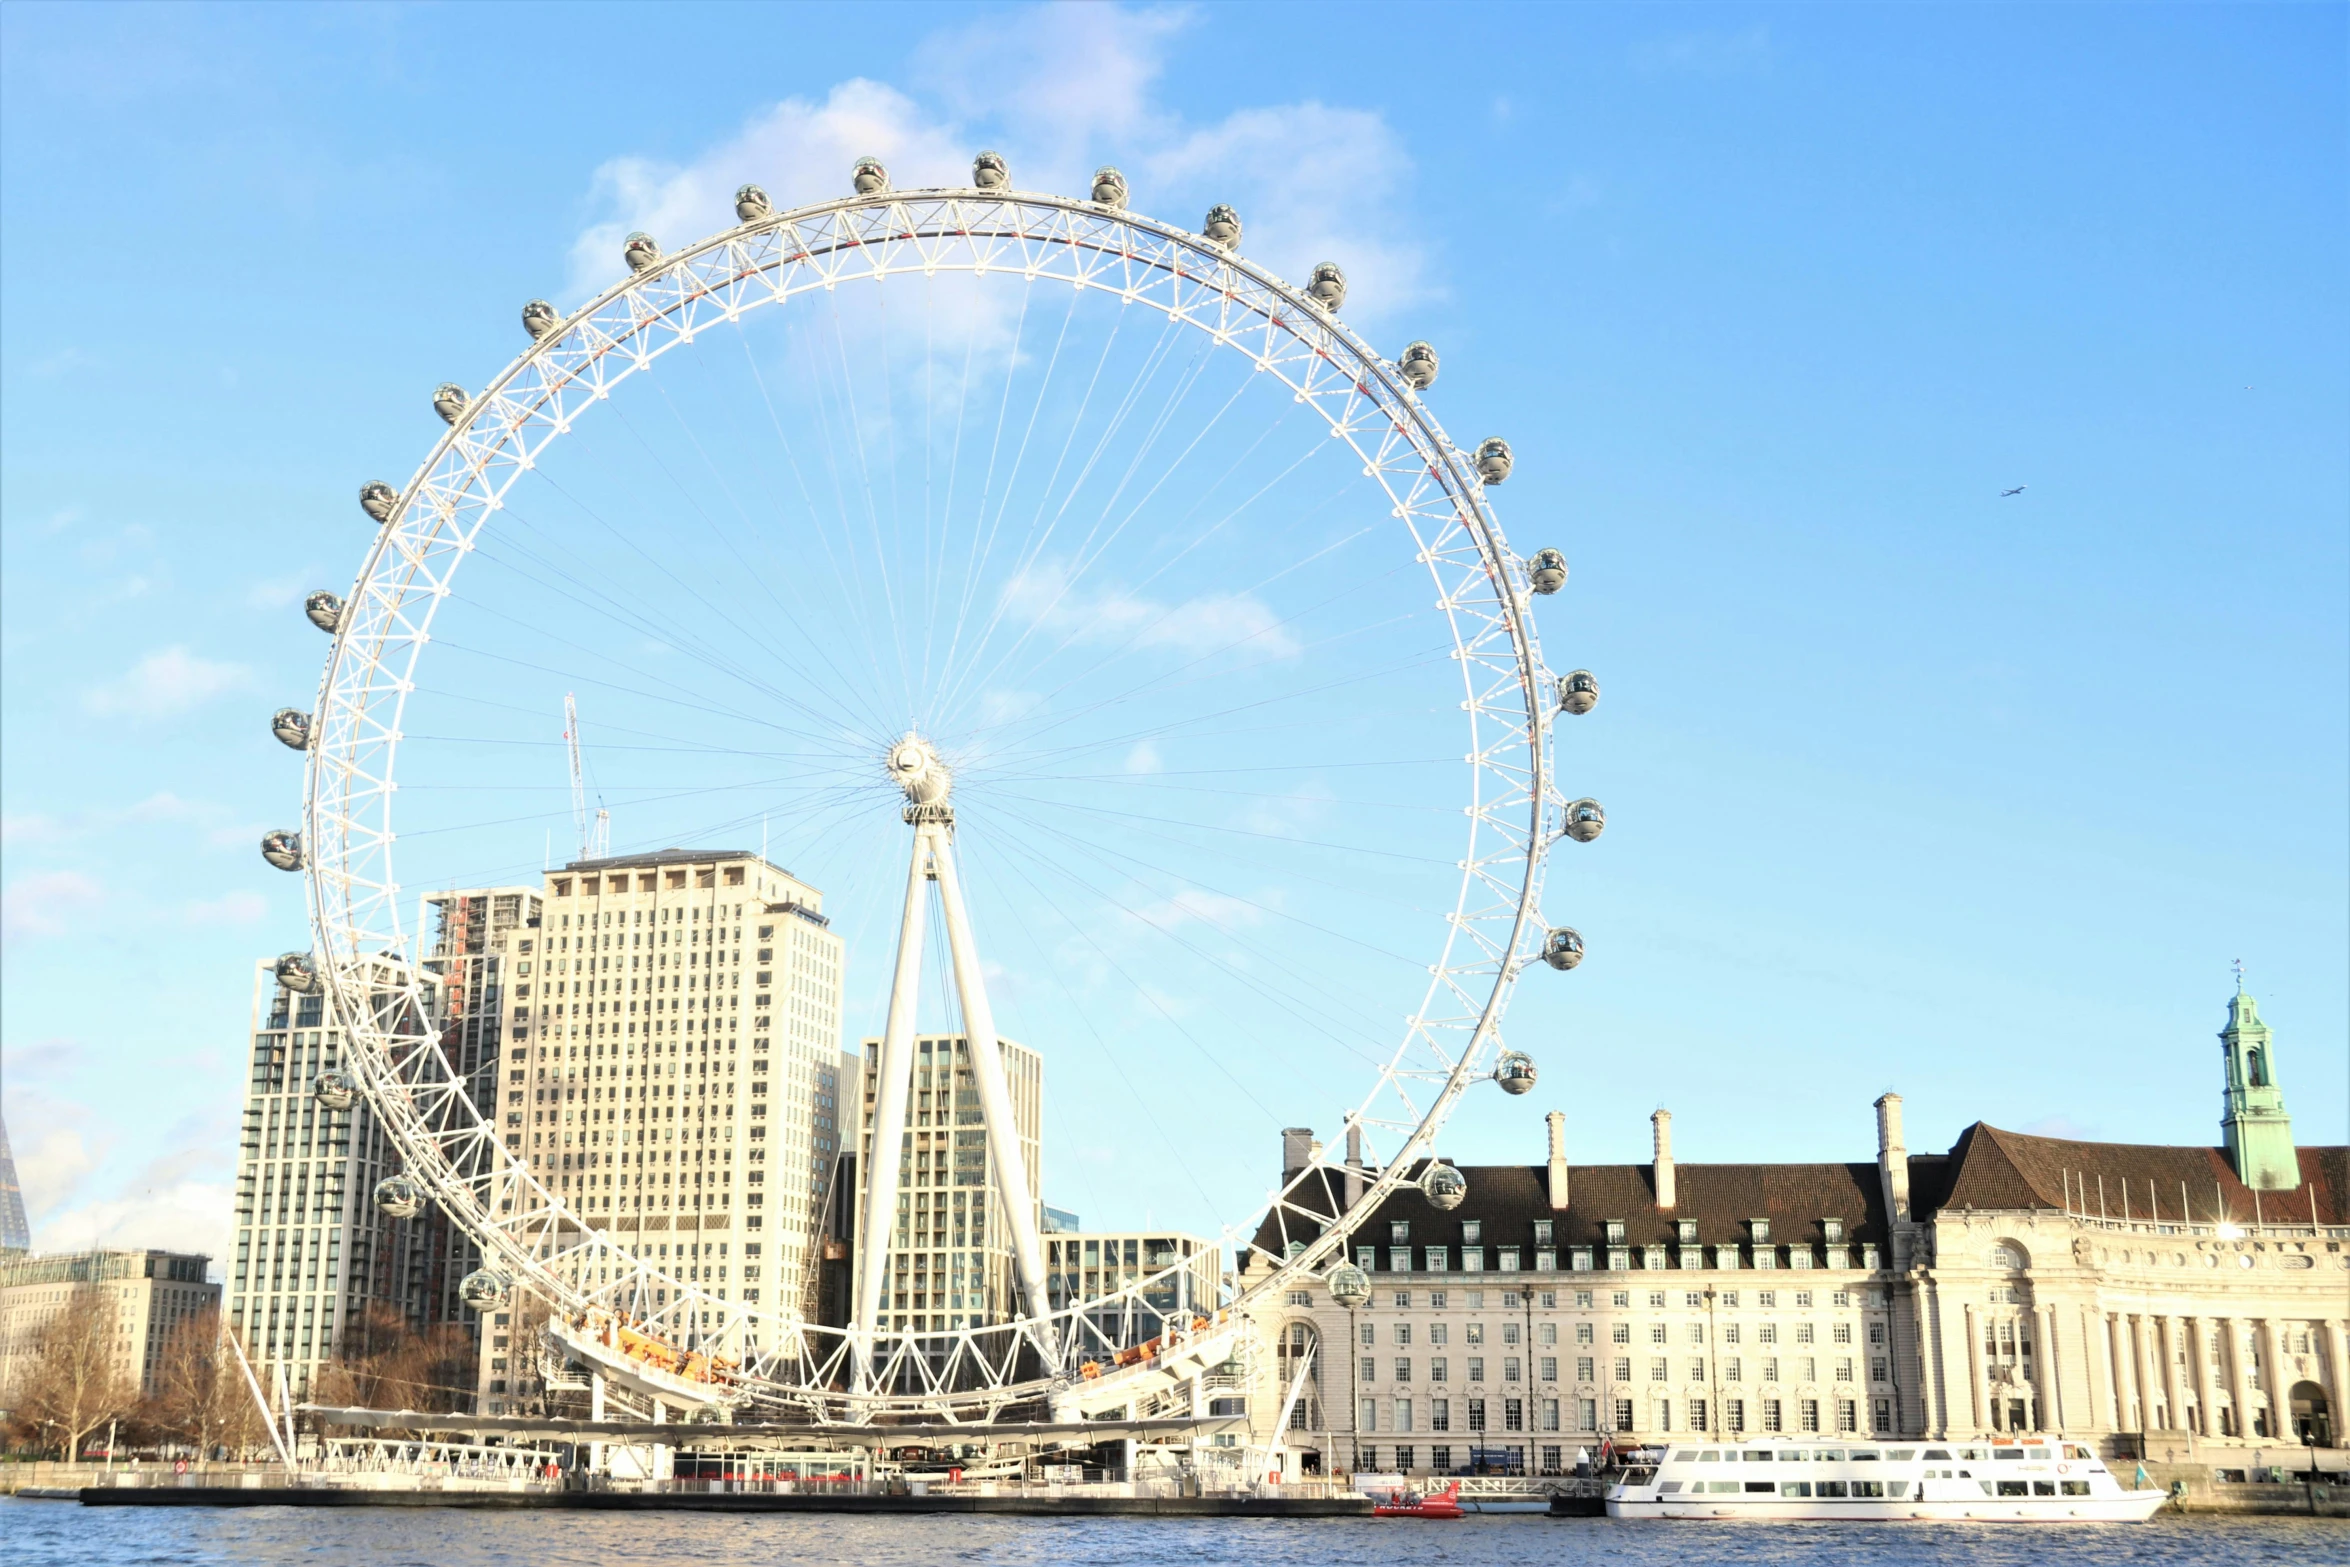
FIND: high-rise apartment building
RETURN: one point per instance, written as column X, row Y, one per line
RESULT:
column 951, row 1256
column 680, row 1082
column 153, row 1293
column 314, row 1255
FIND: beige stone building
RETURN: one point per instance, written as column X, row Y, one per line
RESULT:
column 951, row 1257
column 2152, row 1299
column 674, row 1069
column 154, row 1292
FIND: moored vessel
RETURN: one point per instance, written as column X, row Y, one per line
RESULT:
column 2037, row 1479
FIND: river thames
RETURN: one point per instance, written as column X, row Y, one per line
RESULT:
column 37, row 1534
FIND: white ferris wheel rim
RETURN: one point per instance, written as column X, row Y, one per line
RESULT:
column 535, row 1238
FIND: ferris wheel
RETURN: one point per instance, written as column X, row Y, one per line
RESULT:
column 1015, row 543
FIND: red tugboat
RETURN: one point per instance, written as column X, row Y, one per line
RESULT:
column 1411, row 1504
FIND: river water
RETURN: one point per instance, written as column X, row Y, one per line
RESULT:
column 38, row 1534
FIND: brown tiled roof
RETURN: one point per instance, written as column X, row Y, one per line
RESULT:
column 1999, row 1170
column 1507, row 1199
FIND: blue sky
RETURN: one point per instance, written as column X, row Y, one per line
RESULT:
column 1908, row 785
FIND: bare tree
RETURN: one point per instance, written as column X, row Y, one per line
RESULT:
column 200, row 1394
column 387, row 1364
column 75, row 1383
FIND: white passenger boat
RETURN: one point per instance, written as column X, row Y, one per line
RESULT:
column 2015, row 1480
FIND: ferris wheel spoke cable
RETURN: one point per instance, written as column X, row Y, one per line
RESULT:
column 882, row 556
column 1331, row 998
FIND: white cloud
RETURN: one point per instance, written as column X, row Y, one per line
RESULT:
column 1045, row 597
column 51, row 1166
column 279, row 592
column 185, row 1215
column 165, row 683
column 1057, row 89
column 1145, row 758
column 47, row 903
column 1707, row 52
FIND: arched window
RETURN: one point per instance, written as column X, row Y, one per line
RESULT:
column 2009, row 1256
column 2257, row 1063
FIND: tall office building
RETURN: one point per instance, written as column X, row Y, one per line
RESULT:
column 679, row 1086
column 951, row 1256
column 314, row 1255
column 15, row 1233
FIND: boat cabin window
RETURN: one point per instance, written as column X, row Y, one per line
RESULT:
column 1830, row 1455
column 1685, row 1456
column 1937, row 1453
column 1865, row 1455
column 1758, row 1455
column 1975, row 1453
column 1709, row 1456
column 2072, row 1451
column 2008, row 1454
column 1901, row 1455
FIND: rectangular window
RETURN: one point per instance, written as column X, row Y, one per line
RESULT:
column 1509, row 1259
column 1623, row 1368
column 1550, row 1416
column 1439, row 1369
column 1847, row 1416
column 1513, row 1414
column 1620, row 1333
column 1550, row 1368
column 1656, row 1333
column 1697, row 1415
column 1370, row 1415
column 1370, row 1371
column 1542, row 1232
column 1770, row 1414
column 1734, row 1416
column 1440, row 1414
column 1476, row 1368
column 1583, row 1371
column 1476, row 1414
column 1586, row 1414
column 1881, row 1413
column 1472, row 1232
column 1844, row 1369
column 1403, row 1370
column 1399, row 1259
column 1509, row 1368
column 1403, row 1414
column 1657, row 1370
column 1582, row 1332
column 1808, row 1410
column 1623, row 1414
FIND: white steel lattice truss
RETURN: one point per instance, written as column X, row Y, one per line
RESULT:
column 453, row 1149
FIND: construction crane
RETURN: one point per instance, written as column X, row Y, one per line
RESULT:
column 596, row 841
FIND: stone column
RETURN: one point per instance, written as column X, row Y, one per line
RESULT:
column 2142, row 1370
column 2275, row 1380
column 2168, row 1346
column 2199, row 1350
column 2239, row 1393
column 1977, row 1374
column 2097, row 1361
column 2337, row 1378
column 2051, row 1373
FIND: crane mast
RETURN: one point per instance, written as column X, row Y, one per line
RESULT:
column 595, row 842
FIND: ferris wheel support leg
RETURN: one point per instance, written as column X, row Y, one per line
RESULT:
column 995, row 1096
column 894, row 1074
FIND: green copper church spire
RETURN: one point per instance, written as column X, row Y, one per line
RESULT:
column 2253, row 1122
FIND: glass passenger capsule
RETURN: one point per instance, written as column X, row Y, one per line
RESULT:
column 1585, row 820
column 379, row 500
column 1417, row 366
column 751, row 204
column 869, row 177
column 1578, row 692
column 449, row 401
column 1222, row 226
column 1562, row 949
column 1109, row 187
column 399, row 1196
column 484, row 1289
column 539, row 318
column 1349, row 1285
column 1328, row 285
column 292, row 727
column 296, row 972
column 282, row 849
column 1493, row 460
column 1444, row 1186
column 1515, row 1072
column 1547, row 571
column 334, row 1090
column 990, row 172
column 325, row 611
column 640, row 250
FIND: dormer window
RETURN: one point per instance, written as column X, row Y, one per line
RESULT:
column 1542, row 1232
column 1833, row 1229
column 1762, row 1230
column 1399, row 1232
column 1472, row 1232
column 1688, row 1229
column 1615, row 1232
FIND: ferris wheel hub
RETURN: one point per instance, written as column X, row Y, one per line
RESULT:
column 915, row 767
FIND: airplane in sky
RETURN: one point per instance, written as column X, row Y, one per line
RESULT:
column 2018, row 490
